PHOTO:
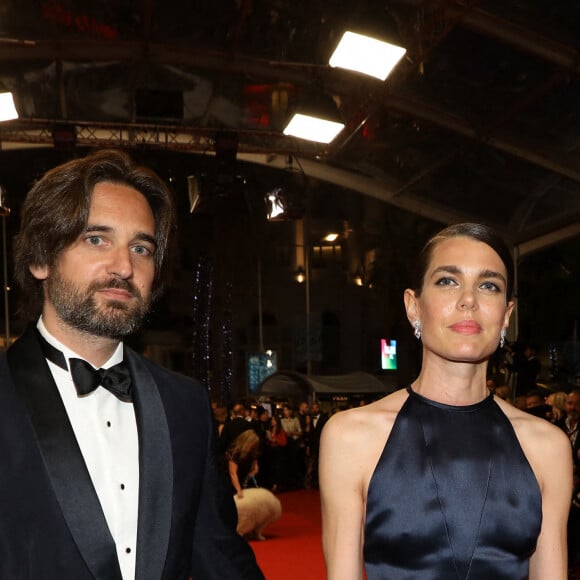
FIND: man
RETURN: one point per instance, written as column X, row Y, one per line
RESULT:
column 236, row 425
column 528, row 370
column 99, row 484
column 536, row 404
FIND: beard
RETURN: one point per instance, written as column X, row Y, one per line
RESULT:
column 78, row 307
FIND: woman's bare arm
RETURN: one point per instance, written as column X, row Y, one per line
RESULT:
column 553, row 461
column 341, row 495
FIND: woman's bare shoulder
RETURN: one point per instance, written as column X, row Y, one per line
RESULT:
column 361, row 422
column 530, row 426
column 542, row 442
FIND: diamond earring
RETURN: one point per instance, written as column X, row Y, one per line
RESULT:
column 502, row 334
column 417, row 327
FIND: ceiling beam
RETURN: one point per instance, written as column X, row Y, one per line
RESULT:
column 334, row 79
column 377, row 189
column 515, row 35
column 549, row 239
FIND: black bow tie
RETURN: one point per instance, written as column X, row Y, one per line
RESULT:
column 116, row 379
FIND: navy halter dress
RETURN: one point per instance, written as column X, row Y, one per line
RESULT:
column 452, row 497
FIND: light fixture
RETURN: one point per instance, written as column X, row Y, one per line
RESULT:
column 275, row 204
column 4, row 207
column 316, row 118
column 285, row 198
column 8, row 110
column 300, row 275
column 366, row 55
column 358, row 279
column 370, row 45
column 330, row 237
column 194, row 192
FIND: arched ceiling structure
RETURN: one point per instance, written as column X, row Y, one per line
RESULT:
column 480, row 121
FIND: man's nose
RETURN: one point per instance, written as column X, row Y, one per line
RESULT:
column 121, row 264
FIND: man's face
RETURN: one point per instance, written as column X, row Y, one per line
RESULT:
column 101, row 283
column 315, row 409
column 573, row 406
column 534, row 401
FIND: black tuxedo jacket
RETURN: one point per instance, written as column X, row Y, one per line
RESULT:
column 52, row 526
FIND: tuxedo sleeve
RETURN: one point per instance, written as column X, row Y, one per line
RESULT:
column 218, row 550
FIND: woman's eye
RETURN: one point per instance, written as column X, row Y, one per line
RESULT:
column 491, row 286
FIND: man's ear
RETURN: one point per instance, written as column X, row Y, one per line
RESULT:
column 411, row 305
column 39, row 272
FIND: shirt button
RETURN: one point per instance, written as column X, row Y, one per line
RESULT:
column 122, row 486
column 108, row 423
column 127, row 550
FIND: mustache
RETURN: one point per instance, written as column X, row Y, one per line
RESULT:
column 116, row 284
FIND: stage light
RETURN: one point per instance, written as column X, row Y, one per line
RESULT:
column 316, row 118
column 313, row 128
column 8, row 110
column 366, row 55
column 275, row 204
column 370, row 45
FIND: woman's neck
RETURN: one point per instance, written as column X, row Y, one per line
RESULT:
column 452, row 383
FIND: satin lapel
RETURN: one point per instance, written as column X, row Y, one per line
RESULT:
column 155, row 472
column 64, row 462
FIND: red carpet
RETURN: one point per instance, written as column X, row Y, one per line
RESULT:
column 292, row 549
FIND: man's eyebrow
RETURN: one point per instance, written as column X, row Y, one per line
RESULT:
column 96, row 228
column 145, row 237
column 141, row 236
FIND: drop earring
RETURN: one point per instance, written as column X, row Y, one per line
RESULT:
column 502, row 334
column 417, row 327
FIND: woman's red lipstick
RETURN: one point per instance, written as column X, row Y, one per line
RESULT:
column 466, row 327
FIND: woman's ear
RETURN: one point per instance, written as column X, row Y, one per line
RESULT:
column 411, row 305
column 39, row 272
column 508, row 312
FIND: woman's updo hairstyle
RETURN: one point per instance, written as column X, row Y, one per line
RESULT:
column 476, row 232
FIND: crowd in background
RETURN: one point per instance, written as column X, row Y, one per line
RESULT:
column 516, row 379
column 275, row 448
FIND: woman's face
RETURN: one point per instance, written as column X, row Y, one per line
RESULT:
column 462, row 306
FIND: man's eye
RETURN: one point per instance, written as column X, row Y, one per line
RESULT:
column 142, row 250
column 445, row 281
column 94, row 240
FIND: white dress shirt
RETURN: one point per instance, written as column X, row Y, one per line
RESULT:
column 106, row 431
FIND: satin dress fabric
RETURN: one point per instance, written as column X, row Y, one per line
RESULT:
column 453, row 497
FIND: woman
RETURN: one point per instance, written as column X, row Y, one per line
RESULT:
column 443, row 480
column 242, row 457
column 294, row 470
column 276, row 442
column 557, row 402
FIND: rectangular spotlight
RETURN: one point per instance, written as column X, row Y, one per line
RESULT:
column 8, row 110
column 313, row 128
column 366, row 55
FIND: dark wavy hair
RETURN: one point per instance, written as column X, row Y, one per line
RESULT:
column 56, row 211
column 477, row 232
